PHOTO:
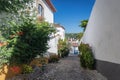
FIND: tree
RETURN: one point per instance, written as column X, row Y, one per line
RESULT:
column 84, row 24
column 71, row 35
column 79, row 35
column 12, row 5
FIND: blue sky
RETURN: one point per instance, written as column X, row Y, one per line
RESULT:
column 71, row 12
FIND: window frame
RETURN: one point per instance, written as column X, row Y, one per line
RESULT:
column 40, row 12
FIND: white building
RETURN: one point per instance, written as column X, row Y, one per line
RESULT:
column 103, row 35
column 46, row 10
column 73, row 46
column 60, row 31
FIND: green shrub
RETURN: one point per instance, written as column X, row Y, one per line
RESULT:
column 63, row 50
column 5, row 55
column 82, row 61
column 33, row 41
column 26, row 69
column 53, row 58
column 86, row 57
column 26, row 39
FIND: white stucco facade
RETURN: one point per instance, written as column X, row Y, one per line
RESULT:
column 61, row 32
column 48, row 14
column 53, row 46
column 73, row 46
column 103, row 30
column 49, row 17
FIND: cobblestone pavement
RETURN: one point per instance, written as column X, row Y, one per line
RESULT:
column 69, row 69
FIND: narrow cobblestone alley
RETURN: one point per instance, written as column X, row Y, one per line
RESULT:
column 69, row 69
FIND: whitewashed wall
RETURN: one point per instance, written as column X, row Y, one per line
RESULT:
column 49, row 17
column 48, row 13
column 61, row 32
column 53, row 46
column 103, row 30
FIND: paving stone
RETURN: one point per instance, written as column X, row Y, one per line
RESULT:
column 66, row 69
column 69, row 69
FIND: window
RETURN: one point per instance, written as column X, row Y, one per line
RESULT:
column 40, row 10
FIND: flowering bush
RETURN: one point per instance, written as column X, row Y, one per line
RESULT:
column 26, row 40
column 31, row 40
column 22, row 38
